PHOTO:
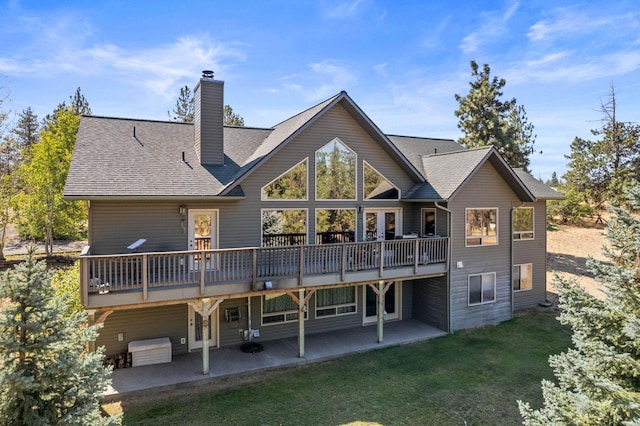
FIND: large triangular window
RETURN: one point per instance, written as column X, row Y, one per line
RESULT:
column 377, row 187
column 291, row 185
column 335, row 172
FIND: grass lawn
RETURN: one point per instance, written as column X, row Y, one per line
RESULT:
column 471, row 376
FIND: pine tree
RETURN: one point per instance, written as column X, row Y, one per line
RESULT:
column 26, row 130
column 185, row 105
column 231, row 118
column 487, row 120
column 598, row 379
column 47, row 376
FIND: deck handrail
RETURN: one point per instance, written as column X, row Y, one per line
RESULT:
column 167, row 269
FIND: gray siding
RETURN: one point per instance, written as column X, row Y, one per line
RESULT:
column 485, row 189
column 430, row 301
column 534, row 252
column 145, row 323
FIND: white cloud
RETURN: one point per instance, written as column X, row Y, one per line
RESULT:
column 343, row 9
column 571, row 22
column 326, row 78
column 493, row 25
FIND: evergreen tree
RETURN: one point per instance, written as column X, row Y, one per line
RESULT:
column 487, row 120
column 26, row 130
column 598, row 379
column 602, row 168
column 183, row 111
column 47, row 376
column 78, row 104
column 231, row 118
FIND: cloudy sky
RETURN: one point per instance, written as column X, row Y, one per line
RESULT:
column 401, row 62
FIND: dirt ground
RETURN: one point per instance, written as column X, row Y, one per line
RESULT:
column 568, row 248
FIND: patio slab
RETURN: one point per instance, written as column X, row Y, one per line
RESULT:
column 186, row 369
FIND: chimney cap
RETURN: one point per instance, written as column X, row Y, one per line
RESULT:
column 207, row 74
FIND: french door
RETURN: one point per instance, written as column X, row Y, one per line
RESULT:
column 382, row 224
column 391, row 303
column 203, row 235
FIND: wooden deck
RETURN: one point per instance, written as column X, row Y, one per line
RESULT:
column 113, row 280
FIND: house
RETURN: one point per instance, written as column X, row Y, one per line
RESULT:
column 319, row 223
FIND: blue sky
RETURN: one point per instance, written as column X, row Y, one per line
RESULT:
column 401, row 62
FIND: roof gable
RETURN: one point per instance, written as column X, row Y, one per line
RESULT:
column 448, row 173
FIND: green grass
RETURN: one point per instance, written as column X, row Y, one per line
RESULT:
column 473, row 376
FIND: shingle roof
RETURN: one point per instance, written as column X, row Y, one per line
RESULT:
column 539, row 189
column 109, row 162
column 414, row 148
column 447, row 173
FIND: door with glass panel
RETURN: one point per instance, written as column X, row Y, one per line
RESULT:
column 195, row 330
column 203, row 235
column 381, row 224
column 391, row 303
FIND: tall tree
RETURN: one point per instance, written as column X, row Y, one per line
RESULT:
column 231, row 118
column 78, row 104
column 26, row 130
column 598, row 379
column 183, row 111
column 47, row 376
column 487, row 120
column 600, row 169
column 10, row 159
column 42, row 213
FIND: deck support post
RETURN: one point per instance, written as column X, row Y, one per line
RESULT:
column 301, row 307
column 91, row 319
column 381, row 296
column 205, row 336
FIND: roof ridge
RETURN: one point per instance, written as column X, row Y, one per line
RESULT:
column 420, row 137
column 146, row 120
column 331, row 98
column 480, row 148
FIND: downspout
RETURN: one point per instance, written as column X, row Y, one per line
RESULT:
column 513, row 209
column 449, row 228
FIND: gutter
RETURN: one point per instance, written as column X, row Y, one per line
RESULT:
column 449, row 228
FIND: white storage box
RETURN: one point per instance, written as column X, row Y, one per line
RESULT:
column 150, row 351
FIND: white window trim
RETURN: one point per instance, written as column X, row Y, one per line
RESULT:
column 384, row 177
column 277, row 200
column 520, row 265
column 315, row 173
column 533, row 226
column 497, row 237
column 435, row 222
column 336, row 307
column 482, row 302
column 306, row 212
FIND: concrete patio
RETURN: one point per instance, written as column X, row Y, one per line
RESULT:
column 186, row 369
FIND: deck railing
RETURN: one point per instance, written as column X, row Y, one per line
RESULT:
column 148, row 271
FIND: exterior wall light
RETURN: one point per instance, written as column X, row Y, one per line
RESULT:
column 182, row 210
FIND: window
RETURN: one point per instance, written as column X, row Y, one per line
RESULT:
column 482, row 227
column 286, row 227
column 522, row 277
column 335, row 226
column 335, row 301
column 279, row 308
column 428, row 221
column 291, row 185
column 377, row 187
column 335, row 172
column 482, row 289
column 523, row 223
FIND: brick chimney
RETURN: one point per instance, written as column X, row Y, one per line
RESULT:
column 208, row 120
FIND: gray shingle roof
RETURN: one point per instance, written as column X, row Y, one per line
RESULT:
column 539, row 189
column 109, row 162
column 447, row 173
